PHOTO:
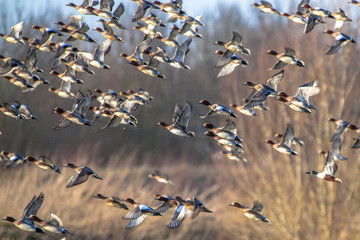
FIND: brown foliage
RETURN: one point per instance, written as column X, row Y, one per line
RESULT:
column 299, row 206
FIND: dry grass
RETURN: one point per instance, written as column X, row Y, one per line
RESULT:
column 298, row 205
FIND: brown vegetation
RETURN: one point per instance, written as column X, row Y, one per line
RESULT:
column 299, row 206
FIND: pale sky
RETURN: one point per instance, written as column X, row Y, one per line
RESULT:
column 192, row 7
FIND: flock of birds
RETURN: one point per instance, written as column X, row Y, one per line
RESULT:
column 119, row 107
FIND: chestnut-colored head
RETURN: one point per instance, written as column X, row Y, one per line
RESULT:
column 328, row 31
column 70, row 165
column 100, row 196
column 208, row 125
column 106, row 105
column 210, row 134
column 129, row 200
column 35, row 218
column 162, row 124
column 249, row 84
column 271, row 52
column 30, row 159
column 98, row 29
column 269, row 142
column 352, row 127
column 90, row 8
column 9, row 219
column 204, row 102
column 71, row 5
column 58, row 110
column 236, row 204
column 36, row 27
column 282, row 94
column 281, row 99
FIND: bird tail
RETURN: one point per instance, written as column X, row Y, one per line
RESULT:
column 266, row 220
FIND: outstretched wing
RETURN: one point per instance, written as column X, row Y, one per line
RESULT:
column 258, row 207
column 288, row 136
column 330, row 165
column 63, row 123
column 33, row 206
column 184, row 117
column 78, row 178
column 274, row 81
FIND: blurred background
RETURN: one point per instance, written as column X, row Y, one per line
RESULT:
column 298, row 205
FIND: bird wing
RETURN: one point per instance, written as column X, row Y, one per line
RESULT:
column 114, row 121
column 310, row 23
column 339, row 132
column 174, row 33
column 25, row 110
column 142, row 46
column 107, row 5
column 76, row 20
column 129, row 105
column 266, row 4
column 153, row 63
column 78, row 99
column 184, row 116
column 55, row 220
column 182, row 50
column 108, row 29
column 84, row 28
column 280, row 64
column 274, row 81
column 336, row 45
column 330, row 165
column 357, row 143
column 301, row 9
column 140, row 12
column 177, row 112
column 83, row 104
column 17, row 29
column 336, row 146
column 163, row 207
column 225, row 58
column 16, row 105
column 288, row 136
column 102, row 50
column 211, row 113
column 44, row 38
column 197, row 207
column 307, row 90
column 237, row 39
column 227, row 69
column 119, row 11
column 30, row 59
column 65, row 86
column 78, row 178
column 230, row 126
column 338, row 24
column 186, row 27
column 63, row 123
column 119, row 201
column 180, row 213
column 258, row 97
column 289, row 51
column 33, row 206
column 45, row 159
column 258, row 207
column 136, row 222
column 133, row 214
